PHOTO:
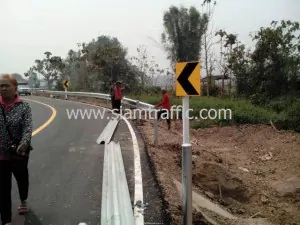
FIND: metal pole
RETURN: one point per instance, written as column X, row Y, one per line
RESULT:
column 66, row 96
column 155, row 128
column 137, row 112
column 186, row 166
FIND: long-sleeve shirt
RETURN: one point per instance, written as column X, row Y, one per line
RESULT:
column 118, row 93
column 165, row 103
column 19, row 120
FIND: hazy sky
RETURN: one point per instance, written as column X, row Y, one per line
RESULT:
column 28, row 28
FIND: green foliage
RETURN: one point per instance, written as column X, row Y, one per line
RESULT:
column 99, row 63
column 293, row 116
column 268, row 75
column 282, row 103
column 33, row 81
column 242, row 111
column 183, row 30
column 148, row 69
column 232, row 111
column 214, row 90
column 289, row 109
column 49, row 67
column 284, row 112
column 92, row 67
column 59, row 85
column 150, row 90
column 151, row 99
column 272, row 69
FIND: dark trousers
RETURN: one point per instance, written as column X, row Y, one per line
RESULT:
column 117, row 107
column 19, row 168
column 166, row 114
column 112, row 98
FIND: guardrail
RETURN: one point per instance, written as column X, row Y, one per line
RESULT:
column 127, row 101
column 116, row 206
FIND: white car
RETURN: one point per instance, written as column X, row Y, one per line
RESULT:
column 24, row 89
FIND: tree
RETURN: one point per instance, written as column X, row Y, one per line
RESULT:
column 231, row 40
column 272, row 69
column 238, row 65
column 150, row 70
column 95, row 65
column 105, row 61
column 277, row 58
column 183, row 30
column 164, row 74
column 142, row 62
column 221, row 33
column 33, row 81
column 208, row 43
column 49, row 68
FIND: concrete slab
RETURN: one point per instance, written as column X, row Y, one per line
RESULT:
column 254, row 221
column 200, row 202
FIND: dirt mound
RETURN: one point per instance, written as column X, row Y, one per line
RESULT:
column 218, row 180
column 249, row 169
column 198, row 219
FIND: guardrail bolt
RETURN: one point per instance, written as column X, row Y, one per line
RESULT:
column 141, row 205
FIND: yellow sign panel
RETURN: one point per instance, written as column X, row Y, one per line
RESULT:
column 66, row 83
column 188, row 79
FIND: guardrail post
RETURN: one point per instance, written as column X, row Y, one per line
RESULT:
column 155, row 128
column 137, row 113
column 66, row 96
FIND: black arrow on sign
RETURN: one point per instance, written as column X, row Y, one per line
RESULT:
column 66, row 83
column 184, row 76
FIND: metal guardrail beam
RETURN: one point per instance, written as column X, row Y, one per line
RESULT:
column 116, row 204
column 125, row 100
column 107, row 133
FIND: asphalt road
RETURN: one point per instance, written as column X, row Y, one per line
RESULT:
column 66, row 168
column 40, row 113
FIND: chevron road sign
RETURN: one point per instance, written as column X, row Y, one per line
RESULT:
column 188, row 79
column 66, row 84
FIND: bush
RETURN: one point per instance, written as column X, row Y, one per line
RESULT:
column 290, row 117
column 151, row 99
column 282, row 103
column 213, row 91
column 152, row 90
column 293, row 115
column 243, row 112
column 155, row 98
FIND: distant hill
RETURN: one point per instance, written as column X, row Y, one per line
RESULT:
column 19, row 78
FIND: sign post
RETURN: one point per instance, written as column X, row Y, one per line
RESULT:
column 187, row 84
column 66, row 85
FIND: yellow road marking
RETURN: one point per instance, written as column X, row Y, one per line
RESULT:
column 52, row 117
